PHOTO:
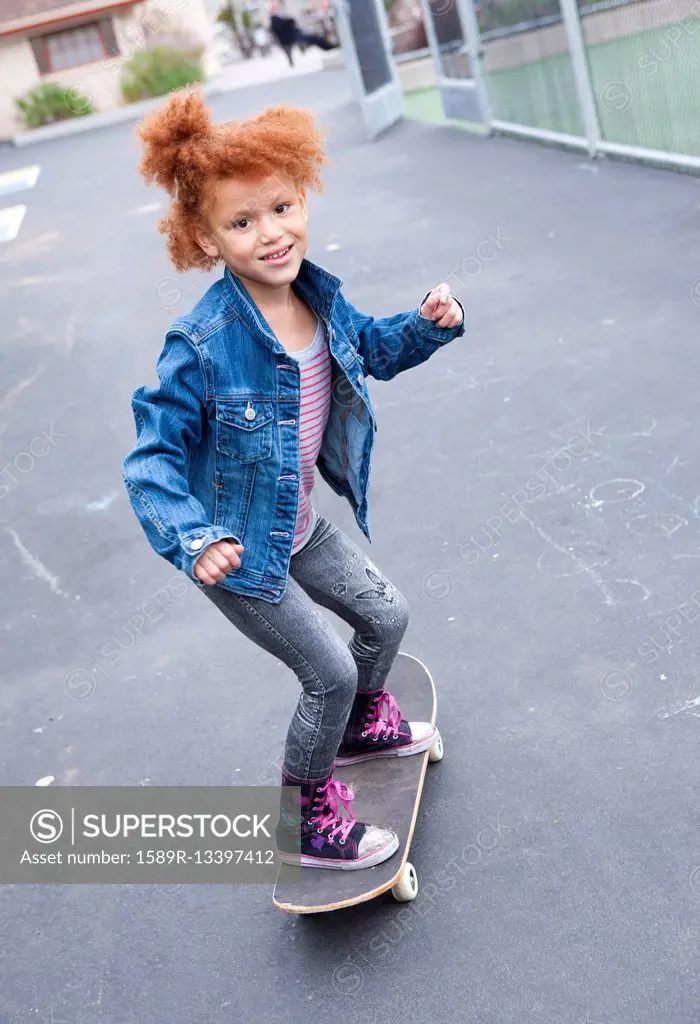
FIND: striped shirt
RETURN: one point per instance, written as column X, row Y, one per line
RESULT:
column 315, row 402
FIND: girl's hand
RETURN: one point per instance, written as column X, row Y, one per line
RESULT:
column 441, row 307
column 217, row 561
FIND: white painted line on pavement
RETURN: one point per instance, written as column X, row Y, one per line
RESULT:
column 677, row 709
column 10, row 220
column 16, row 181
column 35, row 565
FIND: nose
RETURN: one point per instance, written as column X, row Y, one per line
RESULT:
column 270, row 230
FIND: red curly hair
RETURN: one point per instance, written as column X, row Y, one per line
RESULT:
column 186, row 153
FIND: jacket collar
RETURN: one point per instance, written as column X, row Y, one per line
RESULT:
column 315, row 285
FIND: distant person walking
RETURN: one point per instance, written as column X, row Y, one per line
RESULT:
column 287, row 33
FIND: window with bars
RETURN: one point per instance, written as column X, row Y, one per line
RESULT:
column 72, row 47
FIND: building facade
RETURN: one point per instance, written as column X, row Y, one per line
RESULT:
column 83, row 45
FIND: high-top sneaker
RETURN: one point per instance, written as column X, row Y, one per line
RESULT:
column 376, row 729
column 327, row 839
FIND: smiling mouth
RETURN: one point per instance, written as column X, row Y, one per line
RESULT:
column 278, row 254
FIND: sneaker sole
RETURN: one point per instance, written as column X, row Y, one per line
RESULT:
column 412, row 748
column 370, row 860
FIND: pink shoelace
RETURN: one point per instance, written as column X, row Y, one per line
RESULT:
column 328, row 814
column 384, row 718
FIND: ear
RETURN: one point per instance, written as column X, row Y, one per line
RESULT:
column 206, row 242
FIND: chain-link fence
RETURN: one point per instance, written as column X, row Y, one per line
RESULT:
column 529, row 68
column 616, row 76
column 644, row 61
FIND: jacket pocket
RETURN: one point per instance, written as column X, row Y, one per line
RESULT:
column 244, row 429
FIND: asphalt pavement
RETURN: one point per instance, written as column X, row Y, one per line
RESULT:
column 535, row 495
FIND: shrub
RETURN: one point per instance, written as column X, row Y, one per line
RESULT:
column 160, row 70
column 51, row 102
column 225, row 16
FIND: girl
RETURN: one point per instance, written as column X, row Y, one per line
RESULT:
column 260, row 383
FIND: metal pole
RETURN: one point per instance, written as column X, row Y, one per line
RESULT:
column 347, row 43
column 383, row 23
column 579, row 61
column 472, row 38
column 432, row 37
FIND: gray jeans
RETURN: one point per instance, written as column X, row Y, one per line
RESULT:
column 330, row 570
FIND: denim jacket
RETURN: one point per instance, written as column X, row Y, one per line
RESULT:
column 217, row 449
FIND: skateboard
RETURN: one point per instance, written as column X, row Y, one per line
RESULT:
column 387, row 793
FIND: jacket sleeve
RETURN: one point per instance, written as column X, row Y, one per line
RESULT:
column 168, row 424
column 396, row 343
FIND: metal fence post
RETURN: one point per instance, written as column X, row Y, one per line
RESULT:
column 431, row 34
column 472, row 36
column 342, row 23
column 582, row 77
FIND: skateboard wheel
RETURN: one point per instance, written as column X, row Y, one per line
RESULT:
column 436, row 752
column 406, row 889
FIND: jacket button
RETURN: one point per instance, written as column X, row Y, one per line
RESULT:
column 360, row 379
column 197, row 544
column 249, row 413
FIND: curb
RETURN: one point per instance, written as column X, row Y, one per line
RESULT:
column 77, row 125
column 135, row 111
column 334, row 60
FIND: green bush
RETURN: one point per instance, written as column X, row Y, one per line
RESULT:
column 159, row 70
column 51, row 102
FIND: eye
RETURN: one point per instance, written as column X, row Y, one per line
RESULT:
column 242, row 224
column 282, row 207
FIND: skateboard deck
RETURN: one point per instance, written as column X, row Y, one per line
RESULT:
column 387, row 793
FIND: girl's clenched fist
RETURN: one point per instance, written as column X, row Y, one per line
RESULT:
column 217, row 561
column 441, row 307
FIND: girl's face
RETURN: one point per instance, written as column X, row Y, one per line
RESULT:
column 258, row 228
